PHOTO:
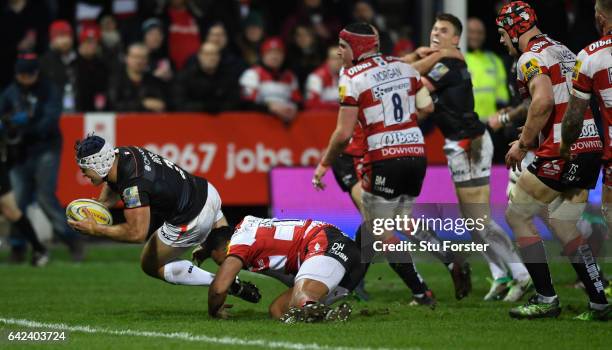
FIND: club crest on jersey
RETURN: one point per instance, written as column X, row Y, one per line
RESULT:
column 576, row 71
column 530, row 69
column 438, row 71
column 131, row 197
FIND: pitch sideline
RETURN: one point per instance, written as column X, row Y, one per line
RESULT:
column 181, row 336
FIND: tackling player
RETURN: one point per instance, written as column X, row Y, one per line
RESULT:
column 469, row 152
column 165, row 206
column 591, row 76
column 384, row 95
column 544, row 69
column 325, row 262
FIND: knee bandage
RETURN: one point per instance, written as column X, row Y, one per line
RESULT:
column 523, row 204
column 565, row 210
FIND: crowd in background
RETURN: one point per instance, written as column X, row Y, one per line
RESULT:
column 198, row 55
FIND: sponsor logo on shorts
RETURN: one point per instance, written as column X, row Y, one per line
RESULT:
column 337, row 249
column 551, row 169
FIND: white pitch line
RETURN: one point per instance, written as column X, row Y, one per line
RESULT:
column 182, row 336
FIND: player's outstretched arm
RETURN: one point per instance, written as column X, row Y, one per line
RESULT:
column 218, row 290
column 134, row 230
column 347, row 119
column 572, row 123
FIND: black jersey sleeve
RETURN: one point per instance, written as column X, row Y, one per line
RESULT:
column 135, row 194
column 443, row 74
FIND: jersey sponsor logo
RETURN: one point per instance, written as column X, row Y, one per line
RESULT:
column 576, row 71
column 610, row 75
column 599, row 43
column 438, row 71
column 530, row 69
column 359, row 68
column 131, row 197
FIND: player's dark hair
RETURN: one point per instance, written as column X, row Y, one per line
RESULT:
column 360, row 28
column 217, row 238
column 452, row 20
column 91, row 144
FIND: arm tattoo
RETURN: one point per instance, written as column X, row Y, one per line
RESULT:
column 573, row 118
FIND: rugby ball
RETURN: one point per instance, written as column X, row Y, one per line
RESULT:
column 76, row 211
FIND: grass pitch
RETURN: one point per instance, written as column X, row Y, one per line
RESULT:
column 108, row 303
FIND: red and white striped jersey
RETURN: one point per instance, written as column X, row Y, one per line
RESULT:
column 322, row 89
column 261, row 86
column 384, row 89
column 593, row 74
column 280, row 245
column 546, row 56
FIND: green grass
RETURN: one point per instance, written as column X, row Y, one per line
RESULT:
column 109, row 291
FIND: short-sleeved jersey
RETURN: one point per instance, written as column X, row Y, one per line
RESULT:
column 546, row 56
column 261, row 85
column 147, row 179
column 454, row 100
column 593, row 75
column 279, row 245
column 384, row 90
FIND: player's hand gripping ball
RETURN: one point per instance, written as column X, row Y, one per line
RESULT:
column 76, row 211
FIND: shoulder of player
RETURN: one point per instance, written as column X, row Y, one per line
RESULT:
column 537, row 45
column 598, row 45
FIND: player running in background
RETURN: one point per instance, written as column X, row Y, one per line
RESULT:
column 592, row 76
column 469, row 151
column 384, row 95
column 165, row 206
column 544, row 73
column 325, row 262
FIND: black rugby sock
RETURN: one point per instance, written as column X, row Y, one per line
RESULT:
column 410, row 276
column 24, row 227
column 534, row 258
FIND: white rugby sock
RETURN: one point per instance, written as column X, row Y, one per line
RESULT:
column 502, row 246
column 185, row 273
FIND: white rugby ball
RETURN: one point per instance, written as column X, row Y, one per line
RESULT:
column 76, row 211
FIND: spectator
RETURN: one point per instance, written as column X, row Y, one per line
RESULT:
column 208, row 86
column 35, row 105
column 252, row 36
column 363, row 11
column 58, row 63
column 91, row 72
column 489, row 83
column 487, row 71
column 322, row 84
column 134, row 89
column 24, row 25
column 218, row 35
column 110, row 43
column 153, row 38
column 184, row 33
column 403, row 47
column 304, row 54
column 270, row 88
column 313, row 14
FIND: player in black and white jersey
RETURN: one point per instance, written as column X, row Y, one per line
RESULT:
column 165, row 206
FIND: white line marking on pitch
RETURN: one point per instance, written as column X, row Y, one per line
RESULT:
column 181, row 336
